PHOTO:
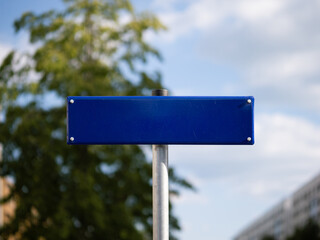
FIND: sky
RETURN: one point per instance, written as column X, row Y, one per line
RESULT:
column 268, row 49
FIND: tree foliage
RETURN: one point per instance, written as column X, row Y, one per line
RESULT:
column 310, row 230
column 93, row 47
column 268, row 237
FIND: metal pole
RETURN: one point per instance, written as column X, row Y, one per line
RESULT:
column 160, row 186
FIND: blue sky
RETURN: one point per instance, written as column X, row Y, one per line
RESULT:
column 265, row 48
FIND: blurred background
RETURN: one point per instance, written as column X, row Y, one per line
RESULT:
column 268, row 49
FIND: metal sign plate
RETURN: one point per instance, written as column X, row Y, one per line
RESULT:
column 160, row 120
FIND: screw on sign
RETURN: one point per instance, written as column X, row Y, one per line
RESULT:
column 160, row 120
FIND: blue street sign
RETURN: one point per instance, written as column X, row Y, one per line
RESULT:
column 160, row 120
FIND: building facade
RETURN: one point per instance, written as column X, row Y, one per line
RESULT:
column 1, row 190
column 283, row 218
column 6, row 210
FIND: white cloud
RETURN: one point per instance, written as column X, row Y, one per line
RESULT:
column 288, row 136
column 257, row 10
column 21, row 45
column 196, row 16
column 208, row 14
column 4, row 50
column 273, row 44
column 169, row 4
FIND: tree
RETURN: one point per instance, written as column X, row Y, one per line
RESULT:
column 310, row 230
column 93, row 47
column 268, row 237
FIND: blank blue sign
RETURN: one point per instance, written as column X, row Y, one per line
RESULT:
column 160, row 120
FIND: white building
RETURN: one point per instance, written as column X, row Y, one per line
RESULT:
column 1, row 190
column 283, row 218
column 6, row 210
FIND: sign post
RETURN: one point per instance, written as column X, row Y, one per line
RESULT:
column 160, row 120
column 160, row 186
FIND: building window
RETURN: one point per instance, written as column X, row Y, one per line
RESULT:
column 314, row 208
column 277, row 228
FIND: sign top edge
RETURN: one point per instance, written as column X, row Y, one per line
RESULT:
column 163, row 97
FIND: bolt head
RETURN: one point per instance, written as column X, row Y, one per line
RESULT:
column 72, row 139
column 71, row 101
column 249, row 101
column 249, row 139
